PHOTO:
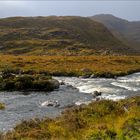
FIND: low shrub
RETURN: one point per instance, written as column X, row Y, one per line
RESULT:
column 28, row 82
column 2, row 106
column 100, row 120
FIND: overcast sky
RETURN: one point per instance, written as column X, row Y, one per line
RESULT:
column 129, row 10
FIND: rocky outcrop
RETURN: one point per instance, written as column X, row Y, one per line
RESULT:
column 54, row 83
column 62, row 83
column 84, row 76
column 96, row 94
column 50, row 104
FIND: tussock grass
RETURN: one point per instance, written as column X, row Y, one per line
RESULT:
column 72, row 65
column 2, row 106
column 100, row 120
column 9, row 82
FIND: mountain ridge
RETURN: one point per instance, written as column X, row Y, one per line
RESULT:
column 126, row 31
column 58, row 35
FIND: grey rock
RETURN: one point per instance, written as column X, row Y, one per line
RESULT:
column 92, row 76
column 85, row 76
column 55, row 83
column 62, row 83
column 97, row 93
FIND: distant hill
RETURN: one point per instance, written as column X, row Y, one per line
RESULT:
column 127, row 31
column 54, row 35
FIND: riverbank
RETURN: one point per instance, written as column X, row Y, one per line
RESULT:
column 98, row 120
column 86, row 66
column 12, row 82
column 26, row 105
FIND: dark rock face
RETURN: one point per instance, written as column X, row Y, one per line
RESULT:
column 62, row 83
column 71, row 87
column 104, row 75
column 84, row 76
column 97, row 93
column 109, row 75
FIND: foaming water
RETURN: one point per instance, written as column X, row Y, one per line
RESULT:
column 127, row 85
column 21, row 106
column 113, row 89
column 76, row 91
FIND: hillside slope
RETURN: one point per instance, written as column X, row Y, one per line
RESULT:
column 127, row 31
column 57, row 36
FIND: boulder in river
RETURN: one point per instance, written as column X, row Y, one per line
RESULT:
column 62, row 83
column 92, row 76
column 71, row 87
column 97, row 99
column 50, row 103
column 97, row 93
column 54, row 83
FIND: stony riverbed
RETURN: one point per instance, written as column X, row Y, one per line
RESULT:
column 26, row 105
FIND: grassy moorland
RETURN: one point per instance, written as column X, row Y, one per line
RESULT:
column 100, row 120
column 102, row 66
column 64, row 35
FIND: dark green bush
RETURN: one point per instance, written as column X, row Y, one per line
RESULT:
column 42, row 85
column 7, row 85
column 28, row 82
column 24, row 82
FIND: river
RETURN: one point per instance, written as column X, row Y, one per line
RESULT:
column 27, row 105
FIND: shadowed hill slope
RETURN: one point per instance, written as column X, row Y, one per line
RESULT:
column 127, row 31
column 57, row 36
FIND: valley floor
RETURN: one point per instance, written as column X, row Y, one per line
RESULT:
column 100, row 66
column 99, row 120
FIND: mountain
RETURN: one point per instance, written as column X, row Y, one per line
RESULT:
column 126, row 31
column 64, row 35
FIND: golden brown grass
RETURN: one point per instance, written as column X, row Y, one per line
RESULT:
column 2, row 106
column 72, row 65
column 100, row 120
